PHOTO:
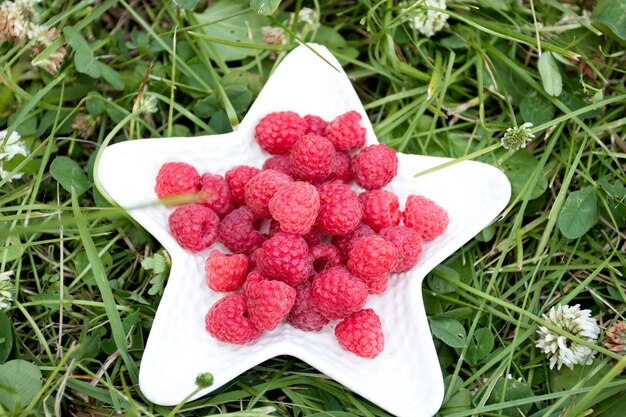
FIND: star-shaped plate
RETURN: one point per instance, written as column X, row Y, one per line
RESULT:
column 405, row 379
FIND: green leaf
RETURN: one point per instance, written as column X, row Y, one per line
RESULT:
column 509, row 390
column 185, row 4
column 550, row 74
column 449, row 331
column 579, row 213
column 264, row 7
column 536, row 109
column 20, row 381
column 6, row 337
column 461, row 400
column 111, row 76
column 83, row 58
column 481, row 344
column 69, row 174
column 610, row 15
column 12, row 250
column 519, row 168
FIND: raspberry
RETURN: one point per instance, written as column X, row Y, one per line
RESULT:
column 277, row 132
column 237, row 178
column 312, row 237
column 337, row 294
column 315, row 125
column 312, row 158
column 341, row 168
column 253, row 277
column 361, row 333
column 176, row 178
column 237, row 232
column 285, row 257
column 215, row 194
column 407, row 241
column 346, row 132
column 380, row 209
column 304, row 315
column 261, row 188
column 425, row 216
column 226, row 320
column 225, row 272
column 377, row 285
column 295, row 207
column 340, row 209
column 372, row 256
column 280, row 163
column 344, row 243
column 325, row 257
column 375, row 166
column 269, row 302
column 194, row 226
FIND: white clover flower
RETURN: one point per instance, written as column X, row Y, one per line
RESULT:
column 147, row 104
column 9, row 147
column 6, row 290
column 516, row 138
column 308, row 16
column 274, row 35
column 560, row 350
column 428, row 22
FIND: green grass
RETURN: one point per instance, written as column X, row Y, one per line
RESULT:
column 84, row 304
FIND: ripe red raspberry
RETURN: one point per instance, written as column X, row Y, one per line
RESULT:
column 372, row 256
column 325, row 257
column 336, row 293
column 295, row 207
column 277, row 132
column 340, row 209
column 344, row 243
column 237, row 178
column 269, row 302
column 312, row 158
column 280, row 163
column 375, row 166
column 304, row 315
column 253, row 277
column 407, row 241
column 346, row 132
column 215, row 194
column 425, row 216
column 377, row 285
column 380, row 209
column 175, row 178
column 342, row 170
column 312, row 237
column 361, row 333
column 261, row 188
column 285, row 257
column 225, row 272
column 226, row 320
column 194, row 226
column 237, row 231
column 315, row 125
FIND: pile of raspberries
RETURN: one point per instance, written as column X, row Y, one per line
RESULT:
column 326, row 248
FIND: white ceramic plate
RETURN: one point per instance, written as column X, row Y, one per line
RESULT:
column 405, row 379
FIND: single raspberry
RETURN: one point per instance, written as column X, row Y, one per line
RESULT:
column 237, row 231
column 315, row 125
column 337, row 293
column 312, row 158
column 295, row 207
column 377, row 285
column 340, row 209
column 342, row 170
column 237, row 178
column 361, row 333
column 285, row 257
column 372, row 256
column 227, row 322
column 381, row 209
column 325, row 257
column 261, row 188
column 312, row 237
column 304, row 315
column 175, row 178
column 215, row 194
column 280, row 163
column 425, row 216
column 344, row 243
column 253, row 277
column 277, row 132
column 375, row 166
column 194, row 226
column 407, row 241
column 269, row 302
column 346, row 132
column 225, row 272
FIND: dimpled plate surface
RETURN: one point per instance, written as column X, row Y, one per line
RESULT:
column 405, row 379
